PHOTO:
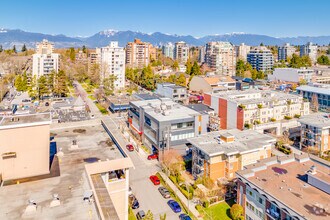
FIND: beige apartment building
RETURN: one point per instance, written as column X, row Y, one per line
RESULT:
column 24, row 146
column 181, row 52
column 220, row 154
column 138, row 53
column 242, row 51
column 221, row 57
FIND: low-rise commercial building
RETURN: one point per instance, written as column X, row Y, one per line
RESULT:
column 315, row 131
column 238, row 109
column 212, row 84
column 321, row 93
column 220, row 154
column 292, row 75
column 24, row 150
column 288, row 187
column 172, row 91
column 162, row 121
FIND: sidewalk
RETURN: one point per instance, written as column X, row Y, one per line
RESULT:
column 182, row 198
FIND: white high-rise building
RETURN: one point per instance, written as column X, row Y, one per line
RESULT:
column 112, row 61
column 168, row 50
column 285, row 51
column 242, row 51
column 310, row 50
column 221, row 57
column 44, row 60
column 181, row 52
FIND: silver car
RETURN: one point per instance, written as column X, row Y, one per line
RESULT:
column 165, row 193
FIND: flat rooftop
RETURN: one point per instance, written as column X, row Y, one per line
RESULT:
column 17, row 120
column 173, row 110
column 244, row 141
column 201, row 108
column 313, row 89
column 94, row 144
column 284, row 178
column 319, row 120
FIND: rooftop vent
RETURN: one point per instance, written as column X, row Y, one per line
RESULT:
column 312, row 170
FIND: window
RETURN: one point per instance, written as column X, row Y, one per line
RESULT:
column 179, row 125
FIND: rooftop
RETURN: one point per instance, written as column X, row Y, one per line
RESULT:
column 324, row 91
column 319, row 120
column 27, row 119
column 285, row 179
column 94, row 144
column 164, row 109
column 244, row 142
column 201, row 108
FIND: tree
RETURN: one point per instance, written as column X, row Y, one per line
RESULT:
column 173, row 161
column 147, row 78
column 260, row 75
column 162, row 217
column 43, row 87
column 314, row 103
column 108, row 84
column 188, row 67
column 262, row 44
column 171, row 78
column 302, row 82
column 149, row 216
column 1, row 49
column 94, row 74
column 32, row 88
column 24, row 48
column 18, row 83
column 254, row 74
column 195, row 70
column 240, row 68
column 14, row 49
column 323, row 60
column 297, row 62
column 175, row 65
column 181, row 80
column 84, row 49
column 236, row 212
column 60, row 87
column 72, row 54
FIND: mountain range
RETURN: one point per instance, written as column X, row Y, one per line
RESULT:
column 10, row 37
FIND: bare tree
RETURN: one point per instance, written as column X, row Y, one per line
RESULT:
column 173, row 161
column 315, row 103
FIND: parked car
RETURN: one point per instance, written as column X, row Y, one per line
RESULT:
column 174, row 206
column 164, row 192
column 47, row 104
column 130, row 147
column 184, row 217
column 154, row 179
column 133, row 202
column 152, row 157
column 140, row 215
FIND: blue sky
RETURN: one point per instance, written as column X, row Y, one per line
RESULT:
column 277, row 18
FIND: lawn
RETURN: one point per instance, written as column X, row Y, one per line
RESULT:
column 218, row 211
column 103, row 110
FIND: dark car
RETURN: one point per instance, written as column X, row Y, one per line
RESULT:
column 174, row 206
column 184, row 217
column 134, row 202
column 164, row 192
column 140, row 215
column 47, row 104
column 130, row 147
column 152, row 157
column 154, row 179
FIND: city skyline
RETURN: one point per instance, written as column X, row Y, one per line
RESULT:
column 191, row 20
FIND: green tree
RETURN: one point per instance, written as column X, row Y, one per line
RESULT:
column 108, row 84
column 18, row 83
column 162, row 217
column 171, row 78
column 149, row 216
column 323, row 60
column 195, row 70
column 175, row 65
column 43, row 87
column 260, row 75
column 236, row 212
column 262, row 44
column 72, row 54
column 14, row 49
column 1, row 49
column 328, row 51
column 298, row 62
column 24, row 82
column 188, row 67
column 60, row 87
column 147, row 78
column 84, row 49
column 181, row 80
column 254, row 74
column 240, row 68
column 24, row 48
column 32, row 88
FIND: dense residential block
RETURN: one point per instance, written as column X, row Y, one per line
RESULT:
column 45, row 60
column 220, row 154
column 261, row 59
column 315, row 131
column 138, row 53
column 221, row 57
column 288, row 187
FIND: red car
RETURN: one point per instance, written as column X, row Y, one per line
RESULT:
column 130, row 147
column 154, row 179
column 152, row 157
